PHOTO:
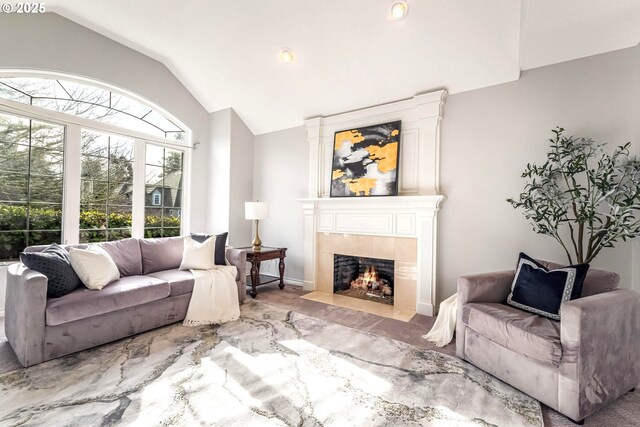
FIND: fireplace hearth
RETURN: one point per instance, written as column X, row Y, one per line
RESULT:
column 363, row 278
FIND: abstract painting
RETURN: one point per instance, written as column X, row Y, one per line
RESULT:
column 365, row 161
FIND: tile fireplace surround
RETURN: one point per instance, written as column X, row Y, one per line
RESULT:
column 402, row 228
column 399, row 249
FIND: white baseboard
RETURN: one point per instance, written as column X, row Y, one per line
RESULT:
column 290, row 281
column 424, row 308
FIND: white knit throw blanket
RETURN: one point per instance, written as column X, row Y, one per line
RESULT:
column 214, row 299
column 442, row 332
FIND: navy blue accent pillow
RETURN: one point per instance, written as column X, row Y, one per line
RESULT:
column 54, row 263
column 539, row 290
column 219, row 257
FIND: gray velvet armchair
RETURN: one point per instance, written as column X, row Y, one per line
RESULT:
column 575, row 366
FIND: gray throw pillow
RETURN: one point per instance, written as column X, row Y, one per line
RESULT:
column 54, row 263
column 220, row 249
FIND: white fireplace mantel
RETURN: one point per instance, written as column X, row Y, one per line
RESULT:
column 411, row 214
column 403, row 216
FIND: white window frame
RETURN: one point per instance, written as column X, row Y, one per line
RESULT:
column 153, row 198
column 72, row 156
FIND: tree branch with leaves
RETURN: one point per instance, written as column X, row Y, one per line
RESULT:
column 582, row 196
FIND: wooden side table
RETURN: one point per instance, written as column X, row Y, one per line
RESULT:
column 264, row 254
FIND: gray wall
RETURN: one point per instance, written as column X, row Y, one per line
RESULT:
column 280, row 176
column 52, row 43
column 219, row 172
column 488, row 136
column 231, row 176
column 241, row 181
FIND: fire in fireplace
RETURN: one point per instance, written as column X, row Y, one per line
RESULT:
column 364, row 278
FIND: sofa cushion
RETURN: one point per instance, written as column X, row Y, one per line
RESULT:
column 126, row 254
column 198, row 255
column 164, row 253
column 525, row 333
column 123, row 293
column 40, row 248
column 219, row 255
column 53, row 261
column 181, row 282
column 94, row 266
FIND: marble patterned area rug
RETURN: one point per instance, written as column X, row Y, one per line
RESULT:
column 272, row 367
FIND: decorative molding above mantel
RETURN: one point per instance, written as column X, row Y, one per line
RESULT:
column 397, row 202
column 411, row 214
column 376, row 216
column 419, row 142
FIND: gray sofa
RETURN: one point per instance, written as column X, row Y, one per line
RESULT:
column 575, row 366
column 150, row 293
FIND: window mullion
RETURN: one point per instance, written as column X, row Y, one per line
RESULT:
column 72, row 175
column 185, row 222
column 139, row 191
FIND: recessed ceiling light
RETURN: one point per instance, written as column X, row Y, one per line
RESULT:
column 286, row 55
column 399, row 10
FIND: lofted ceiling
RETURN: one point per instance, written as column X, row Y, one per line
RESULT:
column 348, row 54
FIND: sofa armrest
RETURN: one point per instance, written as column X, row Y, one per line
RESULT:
column 238, row 258
column 600, row 337
column 25, row 307
column 486, row 287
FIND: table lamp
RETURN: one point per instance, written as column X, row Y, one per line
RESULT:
column 256, row 211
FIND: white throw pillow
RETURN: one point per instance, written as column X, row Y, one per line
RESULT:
column 94, row 266
column 198, row 256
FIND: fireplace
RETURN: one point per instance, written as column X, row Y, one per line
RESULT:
column 370, row 279
column 402, row 228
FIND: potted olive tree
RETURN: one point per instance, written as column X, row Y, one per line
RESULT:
column 584, row 197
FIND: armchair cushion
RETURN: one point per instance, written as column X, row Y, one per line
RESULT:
column 532, row 336
column 541, row 291
column 596, row 282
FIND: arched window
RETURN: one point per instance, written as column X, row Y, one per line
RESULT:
column 90, row 102
column 84, row 163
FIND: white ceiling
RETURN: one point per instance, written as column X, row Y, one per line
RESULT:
column 560, row 30
column 348, row 54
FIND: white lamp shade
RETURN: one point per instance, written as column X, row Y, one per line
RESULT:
column 256, row 210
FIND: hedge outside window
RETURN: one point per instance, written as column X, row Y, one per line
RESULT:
column 31, row 180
